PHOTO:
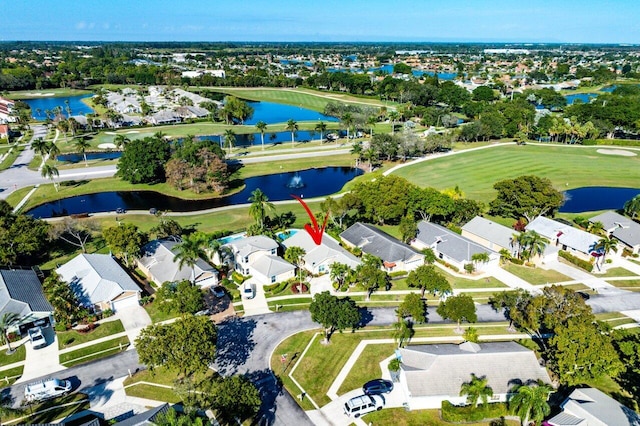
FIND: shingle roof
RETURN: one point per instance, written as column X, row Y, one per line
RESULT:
column 490, row 231
column 621, row 227
column 329, row 251
column 158, row 257
column 21, row 293
column 96, row 278
column 270, row 266
column 435, row 370
column 248, row 245
column 373, row 241
column 448, row 242
column 574, row 238
column 146, row 418
column 596, row 408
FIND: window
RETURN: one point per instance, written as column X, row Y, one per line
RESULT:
column 273, row 251
column 246, row 259
column 440, row 256
column 321, row 268
column 273, row 279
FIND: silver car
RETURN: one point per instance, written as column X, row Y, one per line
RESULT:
column 37, row 338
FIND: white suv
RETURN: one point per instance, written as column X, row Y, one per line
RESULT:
column 363, row 404
column 37, row 338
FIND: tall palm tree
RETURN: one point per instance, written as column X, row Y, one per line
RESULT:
column 632, row 207
column 530, row 402
column 50, row 172
column 371, row 122
column 535, row 243
column 121, row 141
column 476, row 389
column 67, row 107
column 292, row 126
column 259, row 206
column 294, row 255
column 40, row 146
column 262, row 128
column 8, row 320
column 347, row 122
column 606, row 245
column 189, row 251
column 393, row 116
column 229, row 139
column 53, row 150
column 81, row 145
column 321, row 127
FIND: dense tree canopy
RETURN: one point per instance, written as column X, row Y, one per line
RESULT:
column 458, row 308
column 23, row 239
column 125, row 241
column 143, row 160
column 334, row 313
column 526, row 196
column 183, row 297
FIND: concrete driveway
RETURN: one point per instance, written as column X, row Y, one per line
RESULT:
column 133, row 319
column 43, row 361
column 258, row 305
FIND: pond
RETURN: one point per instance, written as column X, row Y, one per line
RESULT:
column 388, row 69
column 40, row 105
column 77, row 157
column 583, row 97
column 305, row 184
column 594, row 198
column 271, row 112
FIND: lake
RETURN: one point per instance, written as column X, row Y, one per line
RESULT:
column 583, row 97
column 305, row 184
column 78, row 157
column 594, row 198
column 49, row 103
column 271, row 112
column 388, row 69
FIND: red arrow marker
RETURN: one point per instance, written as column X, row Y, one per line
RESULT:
column 315, row 232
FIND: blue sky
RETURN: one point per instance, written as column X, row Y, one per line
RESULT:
column 566, row 21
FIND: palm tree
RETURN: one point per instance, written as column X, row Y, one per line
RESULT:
column 8, row 320
column 121, row 141
column 321, row 127
column 595, row 228
column 223, row 252
column 50, row 172
column 347, row 122
column 53, row 150
column 262, row 128
column 476, row 389
column 259, row 206
column 535, row 243
column 402, row 331
column 229, row 139
column 482, row 257
column 530, row 402
column 40, row 146
column 393, row 116
column 606, row 245
column 81, row 144
column 632, row 207
column 338, row 272
column 294, row 255
column 189, row 251
column 67, row 107
column 371, row 122
column 292, row 126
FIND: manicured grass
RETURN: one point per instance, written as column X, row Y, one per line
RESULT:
column 156, row 315
column 536, row 276
column 97, row 351
column 402, row 417
column 456, row 282
column 71, row 338
column 617, row 272
column 17, row 356
column 10, row 375
column 367, row 367
column 29, row 94
column 11, row 158
column 54, row 407
column 626, row 284
column 475, row 172
column 155, row 393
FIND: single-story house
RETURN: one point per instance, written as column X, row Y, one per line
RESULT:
column 165, row 117
column 395, row 255
column 451, row 247
column 622, row 228
column 99, row 282
column 430, row 374
column 490, row 234
column 589, row 406
column 21, row 294
column 159, row 264
column 576, row 241
column 258, row 256
column 146, row 418
column 319, row 258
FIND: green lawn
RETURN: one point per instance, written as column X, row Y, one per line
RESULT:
column 54, row 410
column 156, row 315
column 71, row 338
column 11, row 158
column 155, row 393
column 17, row 356
column 97, row 351
column 617, row 272
column 456, row 282
column 8, row 377
column 367, row 367
column 567, row 167
column 29, row 94
column 402, row 417
column 536, row 276
column 626, row 284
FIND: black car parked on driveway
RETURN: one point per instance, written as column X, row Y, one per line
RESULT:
column 377, row 386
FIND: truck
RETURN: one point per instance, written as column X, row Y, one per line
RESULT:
column 46, row 389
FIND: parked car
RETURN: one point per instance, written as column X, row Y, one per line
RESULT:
column 363, row 404
column 218, row 291
column 153, row 210
column 120, row 210
column 248, row 291
column 37, row 338
column 377, row 386
column 46, row 389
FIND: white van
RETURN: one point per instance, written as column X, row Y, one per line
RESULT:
column 46, row 389
column 363, row 404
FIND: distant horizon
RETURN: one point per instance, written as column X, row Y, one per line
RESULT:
column 331, row 21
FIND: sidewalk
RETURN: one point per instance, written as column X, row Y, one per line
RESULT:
column 596, row 284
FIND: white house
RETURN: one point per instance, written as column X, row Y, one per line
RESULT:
column 258, row 256
column 622, row 228
column 319, row 258
column 21, row 294
column 430, row 374
column 452, row 248
column 591, row 407
column 565, row 237
column 490, row 234
column 99, row 282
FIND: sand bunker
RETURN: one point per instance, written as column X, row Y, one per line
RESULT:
column 39, row 95
column 109, row 133
column 617, row 152
column 132, row 131
column 106, row 146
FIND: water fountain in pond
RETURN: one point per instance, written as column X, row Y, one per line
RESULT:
column 295, row 182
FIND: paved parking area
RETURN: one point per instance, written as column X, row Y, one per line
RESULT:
column 43, row 361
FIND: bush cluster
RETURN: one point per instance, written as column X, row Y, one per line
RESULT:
column 452, row 413
column 587, row 266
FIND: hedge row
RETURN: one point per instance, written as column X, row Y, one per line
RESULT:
column 615, row 142
column 468, row 413
column 587, row 266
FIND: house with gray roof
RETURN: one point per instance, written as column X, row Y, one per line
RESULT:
column 452, row 247
column 319, row 258
column 158, row 262
column 395, row 255
column 591, row 407
column 490, row 234
column 622, row 228
column 430, row 374
column 149, row 417
column 99, row 282
column 21, row 294
column 258, row 256
column 565, row 237
column 165, row 117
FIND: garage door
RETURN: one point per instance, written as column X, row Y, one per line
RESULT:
column 125, row 303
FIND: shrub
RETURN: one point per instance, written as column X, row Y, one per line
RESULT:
column 454, row 228
column 275, row 288
column 452, row 413
column 87, row 328
column 145, row 300
column 299, row 288
column 587, row 266
column 107, row 313
column 517, row 261
column 398, row 274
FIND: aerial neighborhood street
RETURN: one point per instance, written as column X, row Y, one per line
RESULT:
column 331, row 233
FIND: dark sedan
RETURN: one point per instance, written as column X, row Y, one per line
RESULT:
column 378, row 386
